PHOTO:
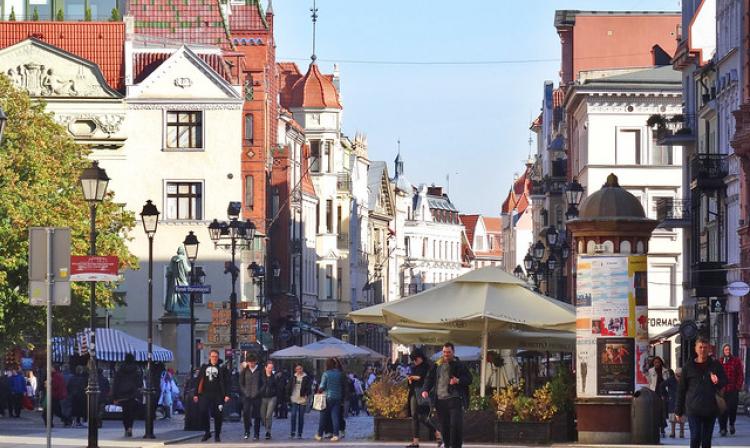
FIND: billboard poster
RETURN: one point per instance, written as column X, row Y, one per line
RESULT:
column 586, row 367
column 615, row 366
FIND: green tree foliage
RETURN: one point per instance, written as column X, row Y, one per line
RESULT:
column 116, row 17
column 35, row 15
column 60, row 17
column 87, row 15
column 12, row 17
column 39, row 169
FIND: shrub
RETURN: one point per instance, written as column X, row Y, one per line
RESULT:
column 387, row 397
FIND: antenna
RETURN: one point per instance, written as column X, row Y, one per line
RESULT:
column 314, row 11
column 398, row 145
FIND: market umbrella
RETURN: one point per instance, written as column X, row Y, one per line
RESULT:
column 335, row 348
column 507, row 339
column 293, row 352
column 112, row 345
column 370, row 315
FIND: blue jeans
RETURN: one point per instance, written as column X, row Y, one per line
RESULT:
column 332, row 414
column 298, row 417
column 701, row 430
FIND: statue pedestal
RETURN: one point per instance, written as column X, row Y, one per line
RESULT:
column 175, row 335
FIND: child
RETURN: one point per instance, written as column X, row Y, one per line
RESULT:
column 671, row 385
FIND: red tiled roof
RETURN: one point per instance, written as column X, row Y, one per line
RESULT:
column 145, row 63
column 537, row 122
column 247, row 18
column 189, row 21
column 493, row 224
column 288, row 75
column 517, row 198
column 312, row 90
column 470, row 226
column 102, row 43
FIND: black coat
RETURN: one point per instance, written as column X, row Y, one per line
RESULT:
column 696, row 395
column 221, row 386
column 306, row 389
column 128, row 382
column 270, row 387
column 457, row 369
column 251, row 383
column 422, row 370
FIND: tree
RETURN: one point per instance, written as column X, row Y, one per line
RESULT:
column 87, row 15
column 115, row 15
column 35, row 15
column 12, row 16
column 39, row 169
column 60, row 17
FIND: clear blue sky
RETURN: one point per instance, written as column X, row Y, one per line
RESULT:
column 469, row 121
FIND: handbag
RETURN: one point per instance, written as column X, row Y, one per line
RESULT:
column 421, row 401
column 319, row 402
column 721, row 403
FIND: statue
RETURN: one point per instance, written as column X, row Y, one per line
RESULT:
column 178, row 274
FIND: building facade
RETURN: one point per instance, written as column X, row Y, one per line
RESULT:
column 484, row 240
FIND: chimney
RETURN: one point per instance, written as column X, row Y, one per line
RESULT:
column 434, row 190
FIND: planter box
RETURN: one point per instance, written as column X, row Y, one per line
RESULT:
column 563, row 428
column 479, row 426
column 397, row 430
column 523, row 433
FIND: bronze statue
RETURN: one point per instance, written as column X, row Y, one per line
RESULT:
column 178, row 274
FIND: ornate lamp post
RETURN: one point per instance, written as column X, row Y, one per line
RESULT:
column 191, row 244
column 3, row 122
column 232, row 235
column 573, row 195
column 537, row 251
column 94, row 182
column 150, row 219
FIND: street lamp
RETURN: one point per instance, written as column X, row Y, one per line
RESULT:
column 3, row 122
column 528, row 262
column 191, row 244
column 94, row 182
column 565, row 250
column 232, row 235
column 518, row 271
column 551, row 236
column 537, row 250
column 573, row 195
column 150, row 219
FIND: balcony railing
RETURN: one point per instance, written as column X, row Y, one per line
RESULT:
column 677, row 130
column 537, row 188
column 673, row 212
column 344, row 183
column 342, row 241
column 707, row 171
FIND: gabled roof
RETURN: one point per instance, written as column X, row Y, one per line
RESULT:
column 377, row 180
column 145, row 63
column 493, row 224
column 188, row 21
column 470, row 225
column 517, row 199
column 102, row 43
column 314, row 90
column 247, row 18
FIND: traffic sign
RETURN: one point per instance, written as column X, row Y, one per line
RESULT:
column 49, row 248
column 198, row 289
column 738, row 289
column 94, row 268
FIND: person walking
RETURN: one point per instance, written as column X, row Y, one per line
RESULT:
column 357, row 397
column 702, row 378
column 251, row 383
column 735, row 379
column 32, row 384
column 169, row 393
column 282, row 404
column 449, row 380
column 332, row 384
column 269, row 396
column 17, row 391
column 59, row 393
column 298, row 390
column 5, row 393
column 212, row 393
column 656, row 376
column 419, row 408
column 670, row 386
column 126, row 391
column 77, row 396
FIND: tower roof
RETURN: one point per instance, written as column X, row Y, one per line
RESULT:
column 314, row 90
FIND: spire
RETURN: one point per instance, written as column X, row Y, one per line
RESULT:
column 314, row 11
column 399, row 161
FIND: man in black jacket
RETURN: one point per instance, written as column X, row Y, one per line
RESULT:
column 127, row 390
column 449, row 380
column 702, row 378
column 212, row 393
column 251, row 385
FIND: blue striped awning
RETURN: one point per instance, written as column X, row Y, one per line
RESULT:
column 62, row 348
column 112, row 345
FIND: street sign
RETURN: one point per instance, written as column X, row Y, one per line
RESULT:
column 44, row 255
column 738, row 289
column 94, row 268
column 718, row 304
column 199, row 289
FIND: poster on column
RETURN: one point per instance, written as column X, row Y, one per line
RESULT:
column 614, row 365
column 610, row 287
column 638, row 298
column 586, row 367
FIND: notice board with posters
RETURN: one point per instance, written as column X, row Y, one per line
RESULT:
column 611, row 324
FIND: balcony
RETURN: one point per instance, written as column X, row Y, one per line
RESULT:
column 342, row 241
column 537, row 188
column 344, row 183
column 673, row 213
column 708, row 279
column 679, row 130
column 707, row 171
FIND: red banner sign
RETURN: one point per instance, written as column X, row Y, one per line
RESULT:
column 93, row 268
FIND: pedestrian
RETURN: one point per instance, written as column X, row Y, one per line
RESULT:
column 702, row 379
column 251, row 383
column 59, row 393
column 735, row 379
column 671, row 386
column 419, row 407
column 17, row 391
column 169, row 393
column 449, row 380
column 656, row 376
column 359, row 391
column 127, row 390
column 211, row 394
column 5, row 393
column 298, row 390
column 77, row 395
column 332, row 384
column 269, row 396
column 32, row 384
column 347, row 393
column 282, row 404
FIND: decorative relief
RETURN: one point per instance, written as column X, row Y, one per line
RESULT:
column 248, row 88
column 187, row 107
column 108, row 123
column 183, row 83
column 39, row 80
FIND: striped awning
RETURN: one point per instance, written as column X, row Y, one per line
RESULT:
column 112, row 345
column 62, row 348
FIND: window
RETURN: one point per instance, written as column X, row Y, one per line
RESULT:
column 664, row 206
column 329, row 215
column 424, row 247
column 317, row 218
column 339, row 220
column 275, row 202
column 329, row 282
column 249, row 127
column 329, row 153
column 184, row 130
column 315, row 156
column 629, row 147
column 184, row 200
column 249, row 192
column 406, row 246
column 662, row 155
column 339, row 283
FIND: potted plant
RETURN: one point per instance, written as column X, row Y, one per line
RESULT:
column 524, row 419
column 479, row 418
column 386, row 401
column 563, row 390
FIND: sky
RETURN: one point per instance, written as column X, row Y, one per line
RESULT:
column 464, row 125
